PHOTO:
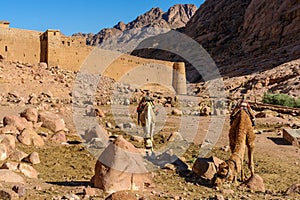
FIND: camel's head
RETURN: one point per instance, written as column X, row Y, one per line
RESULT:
column 225, row 173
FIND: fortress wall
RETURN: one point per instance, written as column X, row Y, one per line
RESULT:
column 141, row 71
column 126, row 63
column 66, row 52
column 70, row 52
column 20, row 45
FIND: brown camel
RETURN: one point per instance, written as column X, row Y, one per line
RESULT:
column 241, row 134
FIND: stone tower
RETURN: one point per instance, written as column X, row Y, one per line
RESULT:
column 179, row 78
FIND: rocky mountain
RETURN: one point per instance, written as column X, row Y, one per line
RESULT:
column 248, row 35
column 176, row 17
column 242, row 36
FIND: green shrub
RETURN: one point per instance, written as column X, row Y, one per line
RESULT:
column 281, row 99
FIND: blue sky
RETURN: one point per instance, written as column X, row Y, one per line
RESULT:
column 72, row 16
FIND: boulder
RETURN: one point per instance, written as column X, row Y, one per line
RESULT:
column 255, row 183
column 20, row 190
column 59, row 137
column 3, row 152
column 30, row 114
column 95, row 132
column 9, row 141
column 7, row 194
column 32, row 158
column 9, row 129
column 12, row 166
column 261, row 115
column 115, row 171
column 175, row 137
column 17, row 155
column 206, row 167
column 137, row 138
column 176, row 111
column 28, row 170
column 30, row 137
column 52, row 121
column 19, row 122
column 10, row 177
column 89, row 192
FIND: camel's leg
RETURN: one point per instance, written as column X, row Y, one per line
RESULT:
column 250, row 158
column 152, row 129
column 242, row 171
column 232, row 140
column 235, row 181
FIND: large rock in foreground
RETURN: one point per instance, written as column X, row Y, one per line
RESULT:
column 120, row 167
column 207, row 167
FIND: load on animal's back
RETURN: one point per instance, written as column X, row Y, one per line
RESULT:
column 243, row 104
column 145, row 99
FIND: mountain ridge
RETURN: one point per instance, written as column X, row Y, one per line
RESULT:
column 176, row 17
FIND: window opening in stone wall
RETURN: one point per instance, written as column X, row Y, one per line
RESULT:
column 6, row 48
column 63, row 42
column 68, row 43
column 54, row 33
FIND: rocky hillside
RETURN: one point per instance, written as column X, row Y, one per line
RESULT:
column 248, row 35
column 284, row 79
column 242, row 36
column 176, row 17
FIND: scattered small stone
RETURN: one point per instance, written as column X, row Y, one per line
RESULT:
column 219, row 197
column 3, row 152
column 225, row 148
column 137, row 138
column 32, row 158
column 175, row 136
column 176, row 111
column 227, row 191
column 20, row 190
column 169, row 167
column 88, row 191
column 293, row 189
column 108, row 125
column 38, row 188
column 71, row 197
column 59, row 137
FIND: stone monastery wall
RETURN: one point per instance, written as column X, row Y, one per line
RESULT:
column 55, row 49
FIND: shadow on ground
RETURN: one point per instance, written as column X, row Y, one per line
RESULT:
column 279, row 141
column 71, row 183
